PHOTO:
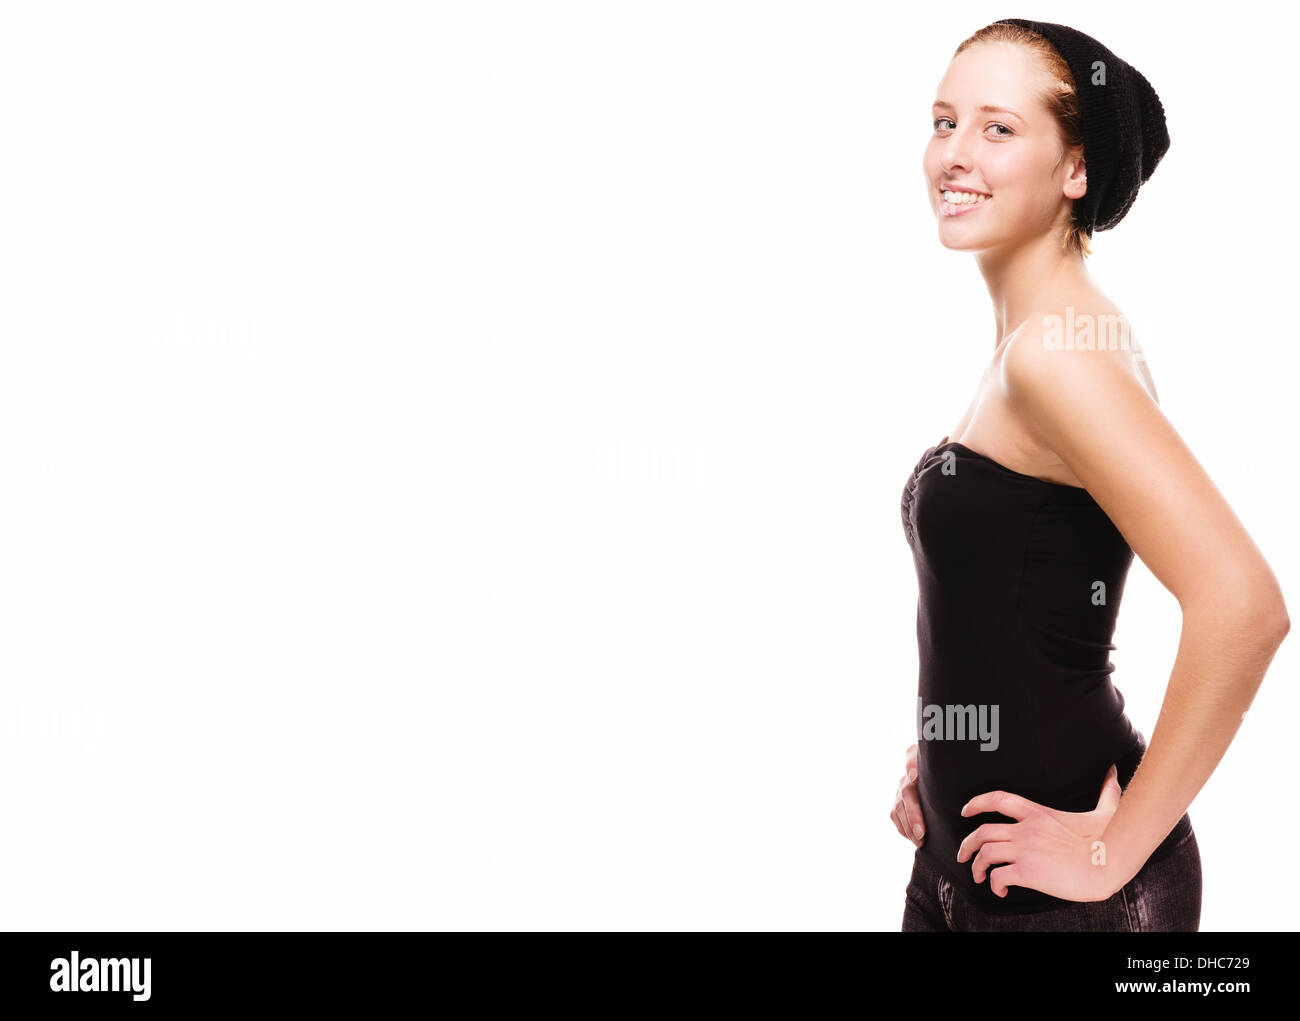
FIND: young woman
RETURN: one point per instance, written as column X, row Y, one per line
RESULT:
column 1024, row 520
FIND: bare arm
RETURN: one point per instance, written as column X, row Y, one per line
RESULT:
column 1087, row 408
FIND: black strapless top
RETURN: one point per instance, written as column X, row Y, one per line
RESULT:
column 1020, row 581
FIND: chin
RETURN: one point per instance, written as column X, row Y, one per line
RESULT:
column 956, row 243
column 972, row 237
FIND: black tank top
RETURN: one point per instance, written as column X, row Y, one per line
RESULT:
column 1019, row 581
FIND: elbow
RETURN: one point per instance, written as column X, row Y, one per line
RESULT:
column 1271, row 622
column 1259, row 617
column 1283, row 624
column 1274, row 621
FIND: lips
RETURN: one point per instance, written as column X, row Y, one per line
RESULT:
column 961, row 200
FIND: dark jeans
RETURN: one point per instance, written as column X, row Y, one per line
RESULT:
column 1165, row 896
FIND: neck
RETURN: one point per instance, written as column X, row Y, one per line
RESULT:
column 1025, row 279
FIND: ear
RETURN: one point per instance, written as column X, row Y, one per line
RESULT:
column 1076, row 182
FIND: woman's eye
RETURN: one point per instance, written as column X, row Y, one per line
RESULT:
column 1006, row 131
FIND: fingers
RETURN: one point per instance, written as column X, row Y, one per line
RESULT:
column 912, row 811
column 1110, row 790
column 1002, row 802
column 992, row 853
column 1001, row 878
column 896, row 813
column 989, row 831
column 906, row 811
column 902, row 821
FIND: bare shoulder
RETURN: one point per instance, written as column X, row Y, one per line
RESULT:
column 1089, row 408
column 1074, row 345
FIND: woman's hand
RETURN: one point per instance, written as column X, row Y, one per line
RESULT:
column 1057, row 853
column 907, row 803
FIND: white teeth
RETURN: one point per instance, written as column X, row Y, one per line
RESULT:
column 962, row 198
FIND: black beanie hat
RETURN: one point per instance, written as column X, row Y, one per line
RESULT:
column 1124, row 134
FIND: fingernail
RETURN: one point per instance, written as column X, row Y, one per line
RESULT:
column 918, row 831
column 911, row 775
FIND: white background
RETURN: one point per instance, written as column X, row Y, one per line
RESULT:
column 452, row 452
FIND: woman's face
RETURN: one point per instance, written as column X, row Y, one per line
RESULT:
column 994, row 136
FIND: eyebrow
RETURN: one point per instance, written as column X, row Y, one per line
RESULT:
column 985, row 109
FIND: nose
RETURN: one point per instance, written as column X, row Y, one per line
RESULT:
column 955, row 153
column 954, row 158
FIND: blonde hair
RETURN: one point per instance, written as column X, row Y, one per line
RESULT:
column 1061, row 100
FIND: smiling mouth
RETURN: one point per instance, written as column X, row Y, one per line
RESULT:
column 955, row 203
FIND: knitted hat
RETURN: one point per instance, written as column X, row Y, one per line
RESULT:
column 1124, row 134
